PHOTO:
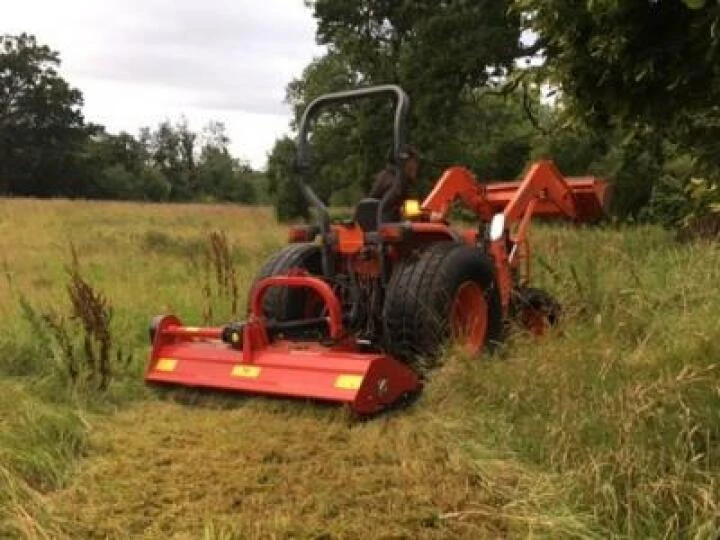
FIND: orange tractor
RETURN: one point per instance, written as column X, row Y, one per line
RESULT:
column 348, row 311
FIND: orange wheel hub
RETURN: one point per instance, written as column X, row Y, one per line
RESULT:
column 535, row 320
column 468, row 316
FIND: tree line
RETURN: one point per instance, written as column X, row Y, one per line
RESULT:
column 47, row 148
column 627, row 89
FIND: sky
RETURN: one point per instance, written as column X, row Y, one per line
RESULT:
column 139, row 62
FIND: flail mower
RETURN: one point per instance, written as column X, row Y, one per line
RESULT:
column 349, row 310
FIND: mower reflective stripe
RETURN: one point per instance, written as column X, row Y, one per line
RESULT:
column 251, row 372
column 348, row 382
column 166, row 364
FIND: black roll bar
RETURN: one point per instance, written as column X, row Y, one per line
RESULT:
column 402, row 106
column 303, row 161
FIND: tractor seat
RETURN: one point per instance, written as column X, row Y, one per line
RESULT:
column 366, row 214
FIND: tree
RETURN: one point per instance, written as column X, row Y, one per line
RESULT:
column 289, row 200
column 42, row 130
column 435, row 50
column 220, row 176
column 493, row 136
column 629, row 61
column 214, row 135
column 643, row 73
column 186, row 148
column 224, row 178
column 166, row 151
column 440, row 52
column 117, row 167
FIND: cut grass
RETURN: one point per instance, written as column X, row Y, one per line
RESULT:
column 608, row 428
column 286, row 469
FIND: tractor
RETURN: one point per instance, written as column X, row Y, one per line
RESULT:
column 354, row 311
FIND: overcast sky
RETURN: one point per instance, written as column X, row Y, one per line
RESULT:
column 139, row 62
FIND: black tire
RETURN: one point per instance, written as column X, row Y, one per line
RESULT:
column 283, row 303
column 420, row 295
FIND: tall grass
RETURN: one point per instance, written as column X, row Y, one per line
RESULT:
column 623, row 400
column 40, row 443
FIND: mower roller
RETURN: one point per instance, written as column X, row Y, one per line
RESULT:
column 351, row 311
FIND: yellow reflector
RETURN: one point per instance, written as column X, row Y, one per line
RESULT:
column 192, row 329
column 249, row 372
column 348, row 382
column 166, row 364
column 412, row 208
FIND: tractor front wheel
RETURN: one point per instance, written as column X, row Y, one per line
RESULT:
column 447, row 292
column 535, row 310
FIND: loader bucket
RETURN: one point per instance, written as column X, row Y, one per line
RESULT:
column 592, row 197
column 198, row 357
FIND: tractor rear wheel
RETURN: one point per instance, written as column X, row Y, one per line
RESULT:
column 447, row 292
column 287, row 304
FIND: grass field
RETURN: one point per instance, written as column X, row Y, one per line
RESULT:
column 607, row 428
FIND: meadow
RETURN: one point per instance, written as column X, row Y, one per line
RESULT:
column 608, row 427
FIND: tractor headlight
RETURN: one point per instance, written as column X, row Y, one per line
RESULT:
column 412, row 208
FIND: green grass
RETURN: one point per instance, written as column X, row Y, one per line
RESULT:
column 609, row 427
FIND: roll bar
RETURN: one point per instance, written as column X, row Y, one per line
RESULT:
column 402, row 106
column 303, row 161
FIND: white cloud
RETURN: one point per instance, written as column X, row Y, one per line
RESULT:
column 142, row 61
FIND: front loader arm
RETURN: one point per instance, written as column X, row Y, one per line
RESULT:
column 542, row 182
column 579, row 199
column 458, row 183
column 542, row 191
